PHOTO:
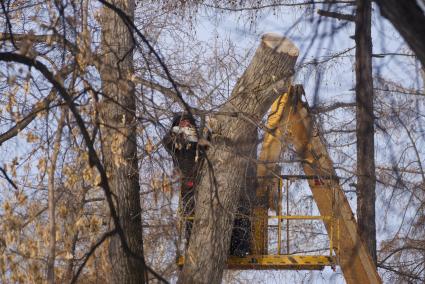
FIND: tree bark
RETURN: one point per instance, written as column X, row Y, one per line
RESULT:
column 223, row 176
column 118, row 139
column 409, row 20
column 366, row 178
column 52, row 203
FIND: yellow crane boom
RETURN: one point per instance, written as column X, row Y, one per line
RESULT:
column 290, row 122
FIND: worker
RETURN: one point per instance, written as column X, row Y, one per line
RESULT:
column 181, row 142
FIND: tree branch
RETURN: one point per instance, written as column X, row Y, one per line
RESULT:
column 323, row 108
column 38, row 107
column 277, row 5
column 19, row 126
column 91, row 251
column 9, row 180
column 336, row 15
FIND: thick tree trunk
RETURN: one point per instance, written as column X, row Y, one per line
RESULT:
column 366, row 178
column 118, row 138
column 409, row 20
column 223, row 176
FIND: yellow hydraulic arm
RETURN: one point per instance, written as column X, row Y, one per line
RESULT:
column 290, row 122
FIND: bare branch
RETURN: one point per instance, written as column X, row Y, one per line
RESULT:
column 90, row 253
column 336, row 15
column 322, row 108
column 40, row 106
column 9, row 180
column 277, row 5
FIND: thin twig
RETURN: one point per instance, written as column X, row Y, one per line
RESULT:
column 9, row 180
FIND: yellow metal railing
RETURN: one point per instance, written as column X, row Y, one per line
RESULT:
column 281, row 260
column 331, row 221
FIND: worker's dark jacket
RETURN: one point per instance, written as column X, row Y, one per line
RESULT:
column 184, row 155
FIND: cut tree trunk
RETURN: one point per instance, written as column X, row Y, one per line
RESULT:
column 366, row 178
column 223, row 176
column 118, row 138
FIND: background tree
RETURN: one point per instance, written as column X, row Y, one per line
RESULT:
column 117, row 121
column 366, row 195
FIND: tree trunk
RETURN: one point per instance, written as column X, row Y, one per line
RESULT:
column 409, row 20
column 366, row 178
column 223, row 176
column 52, row 203
column 118, row 138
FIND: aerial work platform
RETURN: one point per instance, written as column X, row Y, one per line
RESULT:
column 280, row 257
column 290, row 122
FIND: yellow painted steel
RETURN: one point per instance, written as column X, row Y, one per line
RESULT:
column 298, row 262
column 290, row 122
column 279, row 223
column 274, row 262
column 283, row 261
column 266, row 167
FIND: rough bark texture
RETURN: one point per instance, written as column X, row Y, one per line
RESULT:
column 409, row 19
column 366, row 178
column 118, row 137
column 223, row 176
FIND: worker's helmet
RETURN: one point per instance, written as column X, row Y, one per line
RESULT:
column 183, row 117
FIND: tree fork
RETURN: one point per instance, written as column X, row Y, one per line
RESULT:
column 222, row 177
